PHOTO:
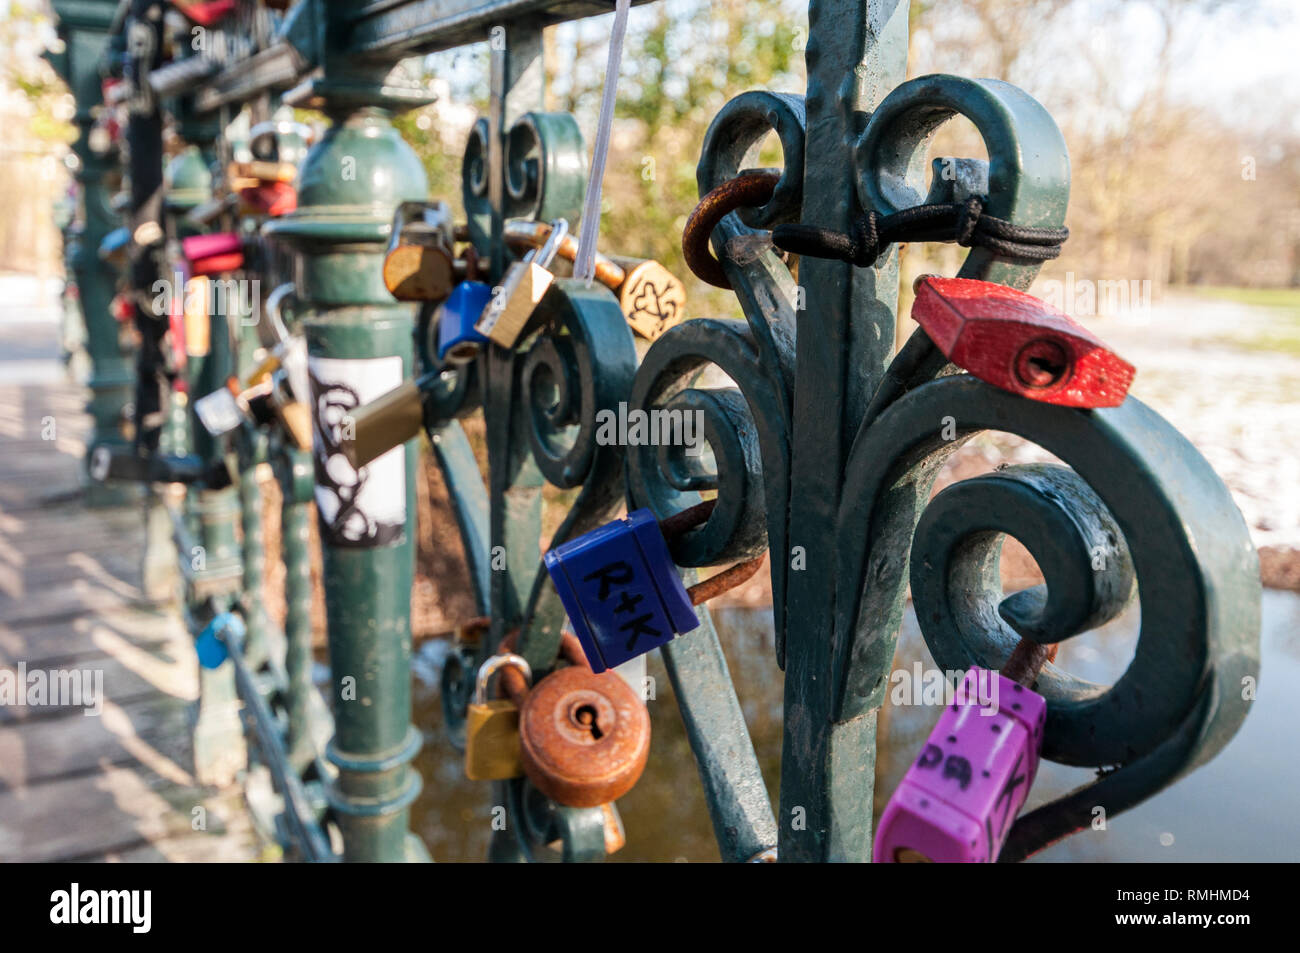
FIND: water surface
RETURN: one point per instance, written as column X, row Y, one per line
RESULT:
column 1239, row 807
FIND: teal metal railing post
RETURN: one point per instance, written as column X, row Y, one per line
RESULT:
column 209, row 543
column 294, row 473
column 250, row 449
column 360, row 346
column 83, row 28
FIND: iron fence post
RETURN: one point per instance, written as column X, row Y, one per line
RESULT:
column 84, row 27
column 846, row 338
column 294, row 474
column 216, row 570
column 360, row 345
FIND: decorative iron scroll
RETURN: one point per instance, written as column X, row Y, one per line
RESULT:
column 1138, row 496
column 805, row 388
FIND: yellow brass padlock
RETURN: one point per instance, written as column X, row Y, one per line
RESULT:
column 492, row 726
column 507, row 315
column 198, row 327
column 261, row 170
column 419, row 263
column 296, row 417
column 384, row 423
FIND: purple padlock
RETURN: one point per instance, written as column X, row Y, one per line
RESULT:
column 958, row 799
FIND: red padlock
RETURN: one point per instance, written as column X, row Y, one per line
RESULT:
column 1020, row 344
column 121, row 308
column 205, row 13
column 269, row 198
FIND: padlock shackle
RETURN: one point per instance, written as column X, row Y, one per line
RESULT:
column 546, row 254
column 494, row 665
column 1027, row 660
column 535, row 234
column 274, row 305
column 688, row 519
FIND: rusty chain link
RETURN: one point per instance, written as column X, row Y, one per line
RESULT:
column 747, row 190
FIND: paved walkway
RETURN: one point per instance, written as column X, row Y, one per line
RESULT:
column 112, row 780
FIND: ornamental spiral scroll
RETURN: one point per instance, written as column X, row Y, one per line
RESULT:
column 1126, row 500
column 1126, row 506
column 1130, row 492
column 749, row 426
column 543, row 178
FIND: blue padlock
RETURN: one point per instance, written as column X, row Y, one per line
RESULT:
column 619, row 587
column 211, row 646
column 458, row 341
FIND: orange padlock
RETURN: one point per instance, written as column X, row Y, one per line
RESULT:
column 584, row 739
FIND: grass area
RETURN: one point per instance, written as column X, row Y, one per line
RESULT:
column 1283, row 337
column 1285, row 341
column 1287, row 299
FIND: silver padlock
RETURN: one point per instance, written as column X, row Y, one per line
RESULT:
column 280, row 383
column 507, row 315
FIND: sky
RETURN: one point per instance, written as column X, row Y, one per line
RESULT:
column 1241, row 62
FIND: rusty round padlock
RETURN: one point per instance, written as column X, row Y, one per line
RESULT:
column 583, row 738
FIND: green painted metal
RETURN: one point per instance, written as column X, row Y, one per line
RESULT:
column 252, row 599
column 294, row 474
column 348, row 187
column 823, row 452
column 188, row 179
column 844, row 336
column 217, row 574
column 733, row 783
column 84, row 28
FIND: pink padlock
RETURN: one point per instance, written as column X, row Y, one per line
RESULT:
column 958, row 800
column 213, row 254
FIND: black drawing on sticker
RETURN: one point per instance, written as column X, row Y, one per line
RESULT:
column 350, row 526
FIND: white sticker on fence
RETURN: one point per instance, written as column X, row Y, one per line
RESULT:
column 362, row 508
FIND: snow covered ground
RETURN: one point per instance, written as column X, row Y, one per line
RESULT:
column 1201, row 366
column 1238, row 403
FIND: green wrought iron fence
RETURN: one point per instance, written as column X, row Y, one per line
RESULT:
column 823, row 445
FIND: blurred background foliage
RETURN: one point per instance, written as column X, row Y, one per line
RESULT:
column 1182, row 119
column 35, row 130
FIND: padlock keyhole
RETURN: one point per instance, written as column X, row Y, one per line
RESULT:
column 1042, row 363
column 586, row 716
column 1048, row 370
